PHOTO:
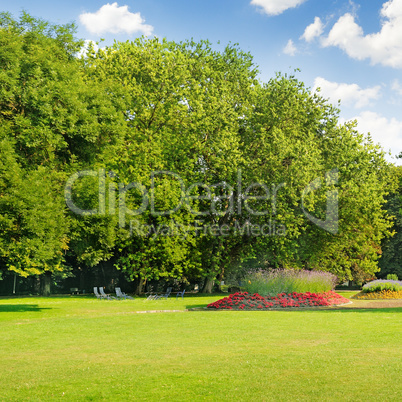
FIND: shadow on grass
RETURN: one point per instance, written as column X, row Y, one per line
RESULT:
column 314, row 310
column 363, row 310
column 198, row 307
column 21, row 308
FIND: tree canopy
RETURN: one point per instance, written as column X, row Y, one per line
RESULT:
column 193, row 168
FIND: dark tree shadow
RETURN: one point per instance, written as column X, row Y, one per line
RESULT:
column 21, row 308
column 364, row 310
column 311, row 310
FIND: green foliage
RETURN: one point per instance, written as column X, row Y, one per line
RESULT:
column 33, row 233
column 182, row 104
column 381, row 285
column 52, row 123
column 391, row 257
column 392, row 277
column 294, row 137
column 153, row 105
column 288, row 281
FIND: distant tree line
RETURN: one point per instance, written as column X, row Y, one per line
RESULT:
column 98, row 152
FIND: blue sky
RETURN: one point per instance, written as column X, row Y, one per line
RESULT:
column 352, row 50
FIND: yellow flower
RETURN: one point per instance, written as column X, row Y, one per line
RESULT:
column 385, row 294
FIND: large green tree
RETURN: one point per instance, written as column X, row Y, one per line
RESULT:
column 331, row 181
column 52, row 123
column 201, row 114
column 179, row 163
column 34, row 232
column 183, row 104
column 391, row 257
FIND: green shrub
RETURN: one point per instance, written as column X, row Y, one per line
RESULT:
column 277, row 281
column 392, row 277
column 380, row 285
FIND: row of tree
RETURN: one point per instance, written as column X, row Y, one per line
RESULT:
column 172, row 160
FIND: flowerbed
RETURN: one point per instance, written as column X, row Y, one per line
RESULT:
column 274, row 281
column 248, row 301
column 381, row 285
column 385, row 294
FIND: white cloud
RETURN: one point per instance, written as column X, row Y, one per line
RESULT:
column 275, row 7
column 114, row 19
column 349, row 94
column 396, row 86
column 386, row 132
column 313, row 30
column 383, row 47
column 290, row 48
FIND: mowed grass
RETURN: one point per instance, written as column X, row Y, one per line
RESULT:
column 79, row 348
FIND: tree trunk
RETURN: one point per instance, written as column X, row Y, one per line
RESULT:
column 82, row 281
column 45, row 282
column 139, row 286
column 36, row 281
column 208, row 285
column 220, row 279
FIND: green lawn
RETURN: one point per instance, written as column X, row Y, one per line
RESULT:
column 79, row 348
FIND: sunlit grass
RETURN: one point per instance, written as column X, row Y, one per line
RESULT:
column 79, row 348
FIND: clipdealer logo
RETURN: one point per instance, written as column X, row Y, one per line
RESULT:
column 114, row 191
